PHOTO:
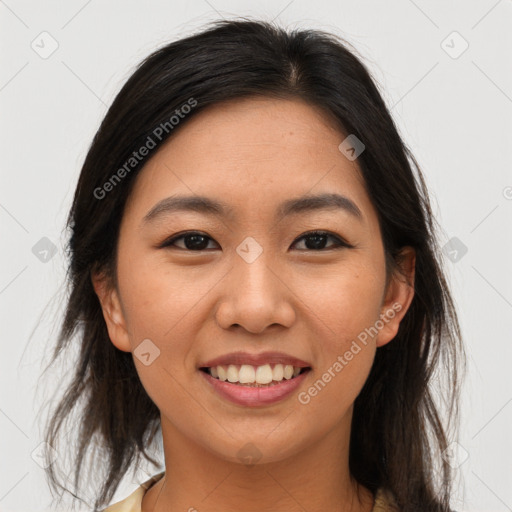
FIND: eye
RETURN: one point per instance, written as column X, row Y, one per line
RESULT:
column 317, row 240
column 194, row 241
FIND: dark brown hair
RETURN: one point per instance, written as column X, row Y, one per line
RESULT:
column 397, row 436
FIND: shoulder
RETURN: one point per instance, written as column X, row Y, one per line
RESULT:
column 133, row 502
column 384, row 501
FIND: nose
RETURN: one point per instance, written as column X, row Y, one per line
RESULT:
column 255, row 296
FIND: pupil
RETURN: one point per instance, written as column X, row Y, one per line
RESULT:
column 318, row 240
column 195, row 239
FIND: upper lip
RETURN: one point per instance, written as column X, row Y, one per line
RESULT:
column 239, row 358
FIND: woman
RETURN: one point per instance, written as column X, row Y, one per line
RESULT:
column 254, row 275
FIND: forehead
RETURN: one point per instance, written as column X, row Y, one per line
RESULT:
column 252, row 153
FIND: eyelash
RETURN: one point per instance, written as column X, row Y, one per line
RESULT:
column 339, row 244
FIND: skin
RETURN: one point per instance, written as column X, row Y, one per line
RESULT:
column 310, row 303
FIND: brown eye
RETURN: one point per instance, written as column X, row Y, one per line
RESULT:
column 316, row 241
column 196, row 241
column 193, row 241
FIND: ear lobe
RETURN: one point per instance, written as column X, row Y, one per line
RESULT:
column 112, row 311
column 399, row 295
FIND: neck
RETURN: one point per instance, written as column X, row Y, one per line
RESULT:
column 315, row 478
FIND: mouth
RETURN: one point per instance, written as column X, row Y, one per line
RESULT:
column 247, row 375
column 249, row 386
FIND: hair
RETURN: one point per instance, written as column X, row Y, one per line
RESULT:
column 397, row 436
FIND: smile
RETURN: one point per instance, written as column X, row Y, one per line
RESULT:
column 252, row 386
column 247, row 374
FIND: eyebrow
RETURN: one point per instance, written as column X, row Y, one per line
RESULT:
column 208, row 206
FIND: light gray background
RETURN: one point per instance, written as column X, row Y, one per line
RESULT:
column 453, row 109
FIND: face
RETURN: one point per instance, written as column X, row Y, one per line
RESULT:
column 196, row 285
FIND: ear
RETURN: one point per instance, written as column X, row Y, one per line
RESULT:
column 398, row 297
column 112, row 311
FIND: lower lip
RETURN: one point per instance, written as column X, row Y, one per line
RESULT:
column 253, row 397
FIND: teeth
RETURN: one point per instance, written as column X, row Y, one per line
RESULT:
column 288, row 371
column 245, row 375
column 263, row 374
column 222, row 373
column 278, row 372
column 248, row 374
column 232, row 373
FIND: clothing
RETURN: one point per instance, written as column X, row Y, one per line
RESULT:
column 384, row 501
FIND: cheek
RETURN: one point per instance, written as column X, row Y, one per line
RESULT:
column 158, row 302
column 346, row 307
column 346, row 300
column 334, row 388
column 345, row 353
column 162, row 311
column 163, row 308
